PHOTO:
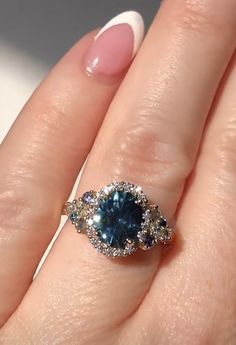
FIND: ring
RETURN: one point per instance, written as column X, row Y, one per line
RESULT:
column 119, row 219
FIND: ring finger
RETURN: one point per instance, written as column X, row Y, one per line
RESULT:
column 150, row 137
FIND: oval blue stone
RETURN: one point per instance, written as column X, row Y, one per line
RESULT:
column 118, row 218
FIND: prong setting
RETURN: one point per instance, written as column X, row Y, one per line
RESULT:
column 154, row 227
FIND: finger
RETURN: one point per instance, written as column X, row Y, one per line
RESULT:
column 152, row 143
column 43, row 152
column 201, row 280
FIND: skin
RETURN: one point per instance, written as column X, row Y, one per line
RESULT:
column 176, row 137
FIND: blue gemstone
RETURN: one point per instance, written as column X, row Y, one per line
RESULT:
column 163, row 222
column 88, row 197
column 73, row 216
column 118, row 218
column 149, row 241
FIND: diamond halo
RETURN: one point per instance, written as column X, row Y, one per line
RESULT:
column 154, row 228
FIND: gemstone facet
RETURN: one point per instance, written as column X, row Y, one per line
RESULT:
column 89, row 197
column 118, row 218
column 73, row 217
column 163, row 222
column 147, row 241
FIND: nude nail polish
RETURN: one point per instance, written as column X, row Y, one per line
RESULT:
column 115, row 45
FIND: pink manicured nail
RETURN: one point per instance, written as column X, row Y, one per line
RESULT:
column 115, row 45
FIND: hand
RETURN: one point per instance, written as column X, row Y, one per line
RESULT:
column 170, row 129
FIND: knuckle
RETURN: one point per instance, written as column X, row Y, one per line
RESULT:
column 150, row 155
column 49, row 112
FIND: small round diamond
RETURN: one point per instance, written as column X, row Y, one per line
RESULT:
column 81, row 224
column 166, row 235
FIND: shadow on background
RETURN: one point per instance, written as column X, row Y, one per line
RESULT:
column 47, row 28
column 35, row 34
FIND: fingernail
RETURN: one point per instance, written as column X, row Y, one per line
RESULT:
column 115, row 45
